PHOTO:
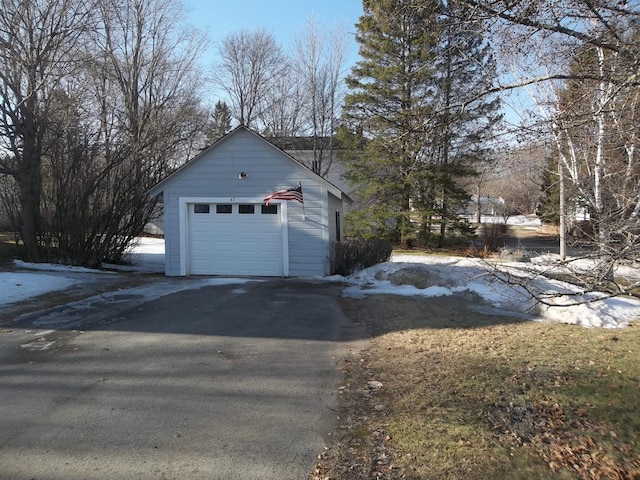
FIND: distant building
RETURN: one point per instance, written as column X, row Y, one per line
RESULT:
column 492, row 206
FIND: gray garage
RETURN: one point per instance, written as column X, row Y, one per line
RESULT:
column 217, row 220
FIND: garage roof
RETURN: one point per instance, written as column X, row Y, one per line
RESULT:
column 160, row 186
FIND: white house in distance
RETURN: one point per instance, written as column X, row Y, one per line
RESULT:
column 216, row 221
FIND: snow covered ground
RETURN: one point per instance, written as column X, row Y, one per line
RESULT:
column 515, row 220
column 434, row 276
column 403, row 275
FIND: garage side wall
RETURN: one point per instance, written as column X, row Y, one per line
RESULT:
column 309, row 233
column 216, row 174
column 171, row 234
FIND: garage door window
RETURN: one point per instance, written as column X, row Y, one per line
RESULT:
column 201, row 208
column 269, row 209
column 250, row 209
column 224, row 208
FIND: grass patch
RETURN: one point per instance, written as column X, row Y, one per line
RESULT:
column 466, row 395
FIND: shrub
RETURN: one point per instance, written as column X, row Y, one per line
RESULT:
column 492, row 235
column 353, row 254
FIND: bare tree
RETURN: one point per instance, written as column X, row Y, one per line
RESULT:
column 249, row 62
column 560, row 27
column 318, row 63
column 517, row 176
column 98, row 102
column 282, row 106
column 144, row 80
column 38, row 42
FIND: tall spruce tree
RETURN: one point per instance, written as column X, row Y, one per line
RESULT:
column 460, row 129
column 220, row 122
column 410, row 116
column 385, row 111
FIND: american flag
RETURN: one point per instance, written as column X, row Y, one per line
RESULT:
column 294, row 193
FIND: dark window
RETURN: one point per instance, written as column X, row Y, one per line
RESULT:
column 270, row 209
column 201, row 208
column 225, row 208
column 246, row 208
column 338, row 233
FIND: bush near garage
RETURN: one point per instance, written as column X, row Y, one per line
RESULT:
column 354, row 254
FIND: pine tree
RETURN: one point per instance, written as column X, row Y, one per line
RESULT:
column 549, row 207
column 461, row 125
column 385, row 111
column 410, row 118
column 220, row 122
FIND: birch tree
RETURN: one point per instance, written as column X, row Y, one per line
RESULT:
column 585, row 81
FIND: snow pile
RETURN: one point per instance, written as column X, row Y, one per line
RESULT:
column 147, row 256
column 432, row 276
column 49, row 267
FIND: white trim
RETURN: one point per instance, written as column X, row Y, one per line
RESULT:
column 183, row 215
column 326, row 230
column 284, row 217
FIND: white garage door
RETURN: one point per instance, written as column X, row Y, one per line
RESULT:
column 234, row 239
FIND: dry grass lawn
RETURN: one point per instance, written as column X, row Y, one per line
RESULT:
column 462, row 395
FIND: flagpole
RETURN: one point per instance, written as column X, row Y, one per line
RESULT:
column 304, row 214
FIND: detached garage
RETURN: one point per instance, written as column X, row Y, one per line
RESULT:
column 245, row 207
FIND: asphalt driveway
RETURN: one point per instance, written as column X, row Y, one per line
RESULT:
column 223, row 382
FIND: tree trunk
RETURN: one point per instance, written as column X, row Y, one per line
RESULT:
column 563, row 213
column 30, row 184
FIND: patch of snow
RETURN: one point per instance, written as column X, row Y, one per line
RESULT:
column 524, row 221
column 449, row 275
column 19, row 286
column 147, row 256
column 52, row 267
column 515, row 220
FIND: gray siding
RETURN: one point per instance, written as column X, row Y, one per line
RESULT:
column 336, row 173
column 215, row 174
column 308, row 246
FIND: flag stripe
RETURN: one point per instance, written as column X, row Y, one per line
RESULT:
column 294, row 193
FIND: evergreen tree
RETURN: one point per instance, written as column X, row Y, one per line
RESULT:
column 220, row 122
column 460, row 127
column 385, row 111
column 549, row 207
column 410, row 117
